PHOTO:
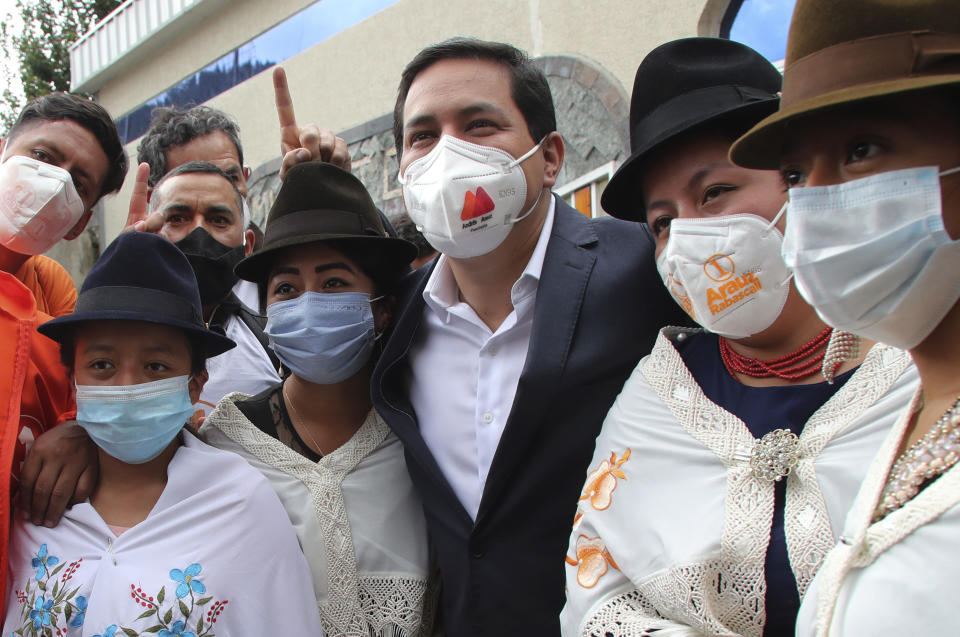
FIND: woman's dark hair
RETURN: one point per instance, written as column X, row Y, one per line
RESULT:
column 528, row 84
column 59, row 106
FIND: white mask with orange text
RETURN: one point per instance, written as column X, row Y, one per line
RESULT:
column 465, row 197
column 726, row 272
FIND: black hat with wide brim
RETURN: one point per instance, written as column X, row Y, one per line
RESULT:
column 321, row 202
column 681, row 86
column 141, row 277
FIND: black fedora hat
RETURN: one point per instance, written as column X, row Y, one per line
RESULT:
column 321, row 202
column 682, row 85
column 141, row 277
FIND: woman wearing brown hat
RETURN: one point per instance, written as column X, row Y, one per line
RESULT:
column 727, row 463
column 868, row 140
column 325, row 275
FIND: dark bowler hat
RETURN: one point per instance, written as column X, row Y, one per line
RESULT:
column 321, row 202
column 682, row 85
column 843, row 52
column 141, row 277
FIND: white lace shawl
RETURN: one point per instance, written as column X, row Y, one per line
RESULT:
column 358, row 520
column 672, row 528
column 898, row 574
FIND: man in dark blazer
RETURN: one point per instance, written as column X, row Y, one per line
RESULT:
column 503, row 361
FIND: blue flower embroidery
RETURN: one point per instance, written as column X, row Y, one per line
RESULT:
column 81, row 604
column 187, row 581
column 42, row 561
column 109, row 632
column 40, row 615
column 177, row 629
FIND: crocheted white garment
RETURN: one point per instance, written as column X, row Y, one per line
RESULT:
column 726, row 596
column 357, row 605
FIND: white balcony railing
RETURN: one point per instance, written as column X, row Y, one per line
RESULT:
column 123, row 36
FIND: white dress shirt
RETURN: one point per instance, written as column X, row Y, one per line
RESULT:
column 464, row 376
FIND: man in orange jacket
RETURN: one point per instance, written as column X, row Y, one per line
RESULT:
column 59, row 158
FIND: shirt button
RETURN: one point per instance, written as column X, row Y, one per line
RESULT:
column 492, row 350
column 487, row 418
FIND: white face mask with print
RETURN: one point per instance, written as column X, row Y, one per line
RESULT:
column 38, row 204
column 726, row 272
column 465, row 197
column 872, row 255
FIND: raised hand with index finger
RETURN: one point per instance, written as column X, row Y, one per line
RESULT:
column 309, row 143
column 137, row 218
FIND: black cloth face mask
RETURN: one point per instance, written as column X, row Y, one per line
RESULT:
column 212, row 262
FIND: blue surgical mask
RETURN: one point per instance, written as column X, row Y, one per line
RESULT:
column 872, row 255
column 135, row 423
column 324, row 338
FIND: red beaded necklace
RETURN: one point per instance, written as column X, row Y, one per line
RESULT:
column 804, row 362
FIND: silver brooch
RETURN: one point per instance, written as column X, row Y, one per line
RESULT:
column 775, row 454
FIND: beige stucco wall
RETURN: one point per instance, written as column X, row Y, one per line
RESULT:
column 352, row 77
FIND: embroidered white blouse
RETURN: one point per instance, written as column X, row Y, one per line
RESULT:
column 672, row 528
column 895, row 576
column 215, row 556
column 359, row 521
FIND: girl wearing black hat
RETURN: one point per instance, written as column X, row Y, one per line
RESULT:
column 868, row 140
column 175, row 537
column 325, row 273
column 725, row 466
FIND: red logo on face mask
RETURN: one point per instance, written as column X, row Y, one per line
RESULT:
column 476, row 205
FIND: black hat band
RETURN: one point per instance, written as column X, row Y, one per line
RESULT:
column 693, row 106
column 317, row 221
column 125, row 298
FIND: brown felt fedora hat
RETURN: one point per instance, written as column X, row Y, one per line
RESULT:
column 321, row 202
column 846, row 51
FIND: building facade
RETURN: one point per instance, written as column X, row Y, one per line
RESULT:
column 343, row 60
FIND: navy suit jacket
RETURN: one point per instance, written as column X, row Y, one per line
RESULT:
column 600, row 303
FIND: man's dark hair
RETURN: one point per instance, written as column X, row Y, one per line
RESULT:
column 528, row 84
column 406, row 229
column 59, row 106
column 172, row 127
column 196, row 167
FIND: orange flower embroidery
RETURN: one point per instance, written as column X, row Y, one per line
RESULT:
column 603, row 480
column 593, row 560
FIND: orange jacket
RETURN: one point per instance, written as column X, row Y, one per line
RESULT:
column 35, row 390
column 51, row 285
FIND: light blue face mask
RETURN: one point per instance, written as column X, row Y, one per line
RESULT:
column 134, row 423
column 324, row 338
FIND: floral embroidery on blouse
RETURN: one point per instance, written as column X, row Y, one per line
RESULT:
column 603, row 480
column 47, row 607
column 593, row 560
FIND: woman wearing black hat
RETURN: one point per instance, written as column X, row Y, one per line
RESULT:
column 325, row 274
column 175, row 537
column 726, row 464
column 868, row 139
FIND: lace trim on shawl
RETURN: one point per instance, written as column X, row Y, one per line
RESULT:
column 629, row 615
column 356, row 606
column 398, row 606
column 738, row 604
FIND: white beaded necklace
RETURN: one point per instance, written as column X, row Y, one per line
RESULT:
column 932, row 455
